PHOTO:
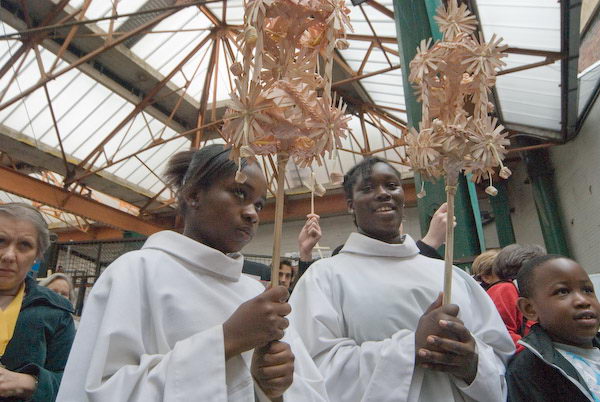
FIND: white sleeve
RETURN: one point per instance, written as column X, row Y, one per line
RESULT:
column 308, row 384
column 372, row 371
column 109, row 359
column 494, row 347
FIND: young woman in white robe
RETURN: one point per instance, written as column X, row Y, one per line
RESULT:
column 177, row 320
column 371, row 317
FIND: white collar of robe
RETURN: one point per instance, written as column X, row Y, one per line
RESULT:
column 197, row 255
column 360, row 244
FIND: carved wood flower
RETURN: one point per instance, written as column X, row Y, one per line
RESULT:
column 454, row 19
column 245, row 117
column 488, row 142
column 425, row 62
column 423, row 150
column 339, row 19
column 486, row 57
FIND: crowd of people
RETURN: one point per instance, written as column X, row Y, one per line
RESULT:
column 184, row 318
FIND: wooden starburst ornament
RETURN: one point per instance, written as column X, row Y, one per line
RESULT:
column 283, row 105
column 452, row 79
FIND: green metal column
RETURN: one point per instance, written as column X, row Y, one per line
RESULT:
column 541, row 174
column 414, row 22
column 501, row 208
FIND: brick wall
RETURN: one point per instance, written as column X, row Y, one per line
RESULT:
column 589, row 49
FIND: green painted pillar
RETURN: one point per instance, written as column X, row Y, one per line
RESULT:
column 501, row 209
column 414, row 22
column 541, row 175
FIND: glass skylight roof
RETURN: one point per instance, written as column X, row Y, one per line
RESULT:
column 87, row 110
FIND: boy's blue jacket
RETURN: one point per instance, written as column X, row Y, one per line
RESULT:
column 541, row 373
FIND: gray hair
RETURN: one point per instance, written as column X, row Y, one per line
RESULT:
column 26, row 212
column 47, row 281
column 511, row 258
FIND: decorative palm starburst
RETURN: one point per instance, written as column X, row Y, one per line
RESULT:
column 448, row 75
column 455, row 20
column 452, row 73
column 282, row 105
column 277, row 106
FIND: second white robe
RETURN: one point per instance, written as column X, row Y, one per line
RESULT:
column 357, row 313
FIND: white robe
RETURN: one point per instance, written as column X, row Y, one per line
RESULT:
column 152, row 331
column 357, row 313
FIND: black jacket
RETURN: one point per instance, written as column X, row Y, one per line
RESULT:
column 42, row 339
column 257, row 269
column 541, row 373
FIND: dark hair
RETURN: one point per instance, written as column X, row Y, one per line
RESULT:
column 511, row 258
column 285, row 261
column 525, row 277
column 362, row 169
column 189, row 171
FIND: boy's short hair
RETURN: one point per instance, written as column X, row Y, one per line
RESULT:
column 285, row 261
column 511, row 258
column 483, row 264
column 525, row 277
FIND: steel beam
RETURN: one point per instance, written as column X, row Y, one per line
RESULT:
column 37, row 190
column 117, row 68
column 24, row 149
column 332, row 203
column 360, row 77
column 570, row 14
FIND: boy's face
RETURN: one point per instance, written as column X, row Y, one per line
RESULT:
column 564, row 303
column 285, row 275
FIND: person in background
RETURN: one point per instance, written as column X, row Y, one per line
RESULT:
column 36, row 328
column 482, row 268
column 372, row 316
column 177, row 320
column 561, row 360
column 504, row 293
column 285, row 274
column 257, row 269
column 436, row 234
column 61, row 284
column 310, row 234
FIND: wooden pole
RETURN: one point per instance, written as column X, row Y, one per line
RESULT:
column 312, row 206
column 451, row 182
column 282, row 159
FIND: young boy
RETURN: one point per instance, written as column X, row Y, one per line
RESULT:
column 561, row 360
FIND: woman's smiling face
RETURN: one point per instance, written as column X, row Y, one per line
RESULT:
column 378, row 203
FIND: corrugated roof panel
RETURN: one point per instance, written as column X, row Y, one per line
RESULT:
column 530, row 24
column 530, row 97
column 588, row 81
column 87, row 111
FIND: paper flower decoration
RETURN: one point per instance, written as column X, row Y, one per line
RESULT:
column 282, row 105
column 451, row 77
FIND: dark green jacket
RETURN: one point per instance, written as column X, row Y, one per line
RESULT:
column 42, row 339
column 540, row 373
